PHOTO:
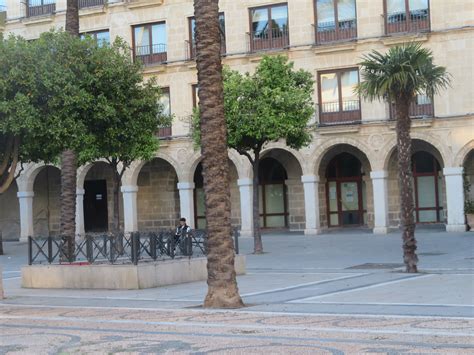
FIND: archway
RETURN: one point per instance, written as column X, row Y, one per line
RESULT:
column 346, row 189
column 10, row 213
column 158, row 196
column 46, row 201
column 469, row 175
column 199, row 204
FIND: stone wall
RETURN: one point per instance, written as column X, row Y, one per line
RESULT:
column 10, row 214
column 295, row 199
column 158, row 196
column 46, row 202
column 235, row 197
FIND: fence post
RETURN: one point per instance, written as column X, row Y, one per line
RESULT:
column 153, row 244
column 112, row 248
column 236, row 240
column 50, row 249
column 89, row 251
column 172, row 246
column 135, row 247
column 30, row 250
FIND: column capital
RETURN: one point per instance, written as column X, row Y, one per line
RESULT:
column 129, row 188
column 307, row 179
column 245, row 182
column 80, row 192
column 186, row 185
column 379, row 174
column 25, row 194
column 453, row 171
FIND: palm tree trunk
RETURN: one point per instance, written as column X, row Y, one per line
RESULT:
column 69, row 161
column 116, row 179
column 257, row 236
column 405, row 178
column 222, row 283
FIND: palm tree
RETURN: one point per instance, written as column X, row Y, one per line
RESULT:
column 69, row 160
column 222, row 283
column 398, row 76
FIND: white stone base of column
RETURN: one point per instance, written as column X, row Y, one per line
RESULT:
column 455, row 228
column 380, row 230
column 312, row 232
column 246, row 234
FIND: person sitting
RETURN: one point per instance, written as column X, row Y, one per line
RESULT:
column 181, row 230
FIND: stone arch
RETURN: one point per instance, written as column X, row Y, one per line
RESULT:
column 463, row 154
column 27, row 179
column 83, row 170
column 441, row 151
column 46, row 201
column 130, row 176
column 271, row 148
column 325, row 147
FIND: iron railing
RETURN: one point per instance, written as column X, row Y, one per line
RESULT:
column 91, row 3
column 414, row 21
column 40, row 7
column 150, row 55
column 268, row 39
column 120, row 249
column 190, row 47
column 331, row 32
column 416, row 110
column 164, row 132
column 331, row 113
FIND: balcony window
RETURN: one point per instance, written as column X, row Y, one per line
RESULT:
column 338, row 102
column 102, row 37
column 421, row 107
column 406, row 16
column 90, row 3
column 191, row 44
column 165, row 103
column 335, row 20
column 149, row 43
column 40, row 7
column 269, row 28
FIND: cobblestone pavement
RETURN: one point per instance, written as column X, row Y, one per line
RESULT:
column 333, row 294
column 71, row 330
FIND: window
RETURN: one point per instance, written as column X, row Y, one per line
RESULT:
column 90, row 3
column 165, row 102
column 102, row 37
column 269, row 27
column 191, row 45
column 337, row 101
column 40, row 7
column 149, row 43
column 406, row 16
column 335, row 20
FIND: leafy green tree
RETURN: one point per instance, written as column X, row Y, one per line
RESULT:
column 398, row 76
column 275, row 103
column 125, row 113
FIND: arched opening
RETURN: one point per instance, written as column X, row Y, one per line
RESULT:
column 469, row 176
column 427, row 179
column 158, row 196
column 199, row 202
column 273, row 194
column 345, row 191
column 46, row 201
column 10, row 213
column 99, row 199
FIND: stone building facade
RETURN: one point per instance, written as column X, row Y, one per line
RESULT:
column 346, row 177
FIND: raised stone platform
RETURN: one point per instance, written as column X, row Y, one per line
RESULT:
column 114, row 277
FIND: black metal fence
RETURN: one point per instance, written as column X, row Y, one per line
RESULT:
column 121, row 249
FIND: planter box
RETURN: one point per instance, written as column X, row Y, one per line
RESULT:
column 119, row 277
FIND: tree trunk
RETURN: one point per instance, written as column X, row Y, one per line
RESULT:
column 68, row 202
column 222, row 283
column 69, row 160
column 405, row 178
column 116, row 196
column 257, row 236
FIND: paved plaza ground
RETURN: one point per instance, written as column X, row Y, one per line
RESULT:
column 335, row 293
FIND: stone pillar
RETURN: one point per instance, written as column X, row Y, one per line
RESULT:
column 311, row 204
column 80, row 229
column 130, row 220
column 26, row 214
column 186, row 201
column 455, row 199
column 246, row 206
column 380, row 192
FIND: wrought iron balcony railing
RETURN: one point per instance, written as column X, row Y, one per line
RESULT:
column 150, row 55
column 190, row 47
column 268, row 40
column 40, row 7
column 414, row 21
column 332, row 113
column 165, row 132
column 91, row 3
column 417, row 110
column 331, row 32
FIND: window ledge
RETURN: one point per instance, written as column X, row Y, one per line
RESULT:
column 335, row 47
column 404, row 37
column 90, row 11
column 154, row 69
column 415, row 122
column 144, row 3
column 28, row 21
